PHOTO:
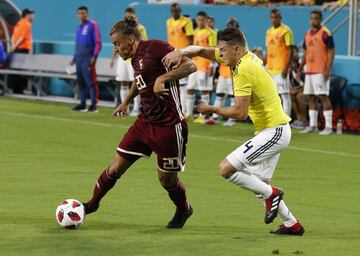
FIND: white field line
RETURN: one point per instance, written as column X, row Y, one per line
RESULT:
column 197, row 136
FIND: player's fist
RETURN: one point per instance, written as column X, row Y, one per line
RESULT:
column 203, row 107
column 120, row 111
column 172, row 59
column 159, row 87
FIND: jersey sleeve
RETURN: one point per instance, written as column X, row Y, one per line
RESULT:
column 242, row 84
column 96, row 40
column 188, row 28
column 289, row 38
column 217, row 55
column 212, row 39
column 328, row 39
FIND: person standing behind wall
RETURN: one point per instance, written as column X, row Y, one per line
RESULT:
column 319, row 52
column 88, row 46
column 22, row 43
column 279, row 51
column 180, row 35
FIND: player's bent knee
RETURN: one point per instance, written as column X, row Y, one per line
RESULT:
column 226, row 169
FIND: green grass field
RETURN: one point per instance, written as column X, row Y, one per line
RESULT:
column 48, row 154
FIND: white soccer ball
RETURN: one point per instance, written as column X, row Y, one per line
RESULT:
column 70, row 213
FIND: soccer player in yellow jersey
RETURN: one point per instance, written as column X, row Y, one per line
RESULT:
column 279, row 43
column 180, row 34
column 250, row 166
column 200, row 80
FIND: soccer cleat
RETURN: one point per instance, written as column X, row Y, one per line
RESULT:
column 200, row 119
column 309, row 129
column 93, row 109
column 90, row 210
column 179, row 219
column 272, row 204
column 229, row 122
column 79, row 108
column 297, row 124
column 296, row 230
column 326, row 131
column 134, row 113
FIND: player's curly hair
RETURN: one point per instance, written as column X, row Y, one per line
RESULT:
column 232, row 36
column 127, row 26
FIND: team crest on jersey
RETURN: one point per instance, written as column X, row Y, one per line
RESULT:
column 141, row 64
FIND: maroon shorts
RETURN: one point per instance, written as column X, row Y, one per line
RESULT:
column 168, row 142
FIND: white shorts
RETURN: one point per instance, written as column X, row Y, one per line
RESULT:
column 183, row 81
column 282, row 84
column 315, row 84
column 224, row 85
column 199, row 80
column 260, row 154
column 124, row 70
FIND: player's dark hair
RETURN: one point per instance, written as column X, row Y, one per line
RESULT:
column 274, row 11
column 232, row 36
column 175, row 5
column 211, row 18
column 202, row 14
column 82, row 8
column 127, row 26
column 131, row 10
column 318, row 12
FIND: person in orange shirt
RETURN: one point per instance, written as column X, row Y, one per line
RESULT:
column 224, row 84
column 180, row 35
column 279, row 50
column 200, row 80
column 319, row 52
column 22, row 43
column 21, row 37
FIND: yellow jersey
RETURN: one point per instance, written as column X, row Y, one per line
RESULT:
column 143, row 32
column 178, row 31
column 251, row 78
column 204, row 37
column 278, row 42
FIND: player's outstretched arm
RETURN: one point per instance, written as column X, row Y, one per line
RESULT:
column 173, row 59
column 123, row 107
column 237, row 111
column 186, row 67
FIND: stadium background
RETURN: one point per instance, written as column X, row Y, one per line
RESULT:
column 54, row 27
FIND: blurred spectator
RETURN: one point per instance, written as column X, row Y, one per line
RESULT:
column 319, row 51
column 88, row 46
column 298, row 101
column 3, row 56
column 180, row 35
column 126, row 67
column 279, row 44
column 258, row 52
column 333, row 5
column 200, row 80
column 232, row 23
column 22, row 43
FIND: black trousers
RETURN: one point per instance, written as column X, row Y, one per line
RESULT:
column 18, row 83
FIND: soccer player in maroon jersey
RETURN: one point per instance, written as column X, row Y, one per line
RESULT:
column 160, row 127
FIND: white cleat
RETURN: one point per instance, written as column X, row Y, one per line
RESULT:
column 326, row 131
column 229, row 122
column 134, row 113
column 309, row 129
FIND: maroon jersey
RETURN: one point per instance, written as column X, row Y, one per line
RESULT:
column 147, row 67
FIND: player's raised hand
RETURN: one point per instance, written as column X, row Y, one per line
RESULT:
column 172, row 59
column 203, row 107
column 159, row 88
column 120, row 111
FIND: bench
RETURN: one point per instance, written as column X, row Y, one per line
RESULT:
column 38, row 67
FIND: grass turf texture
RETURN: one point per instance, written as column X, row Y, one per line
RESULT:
column 48, row 154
